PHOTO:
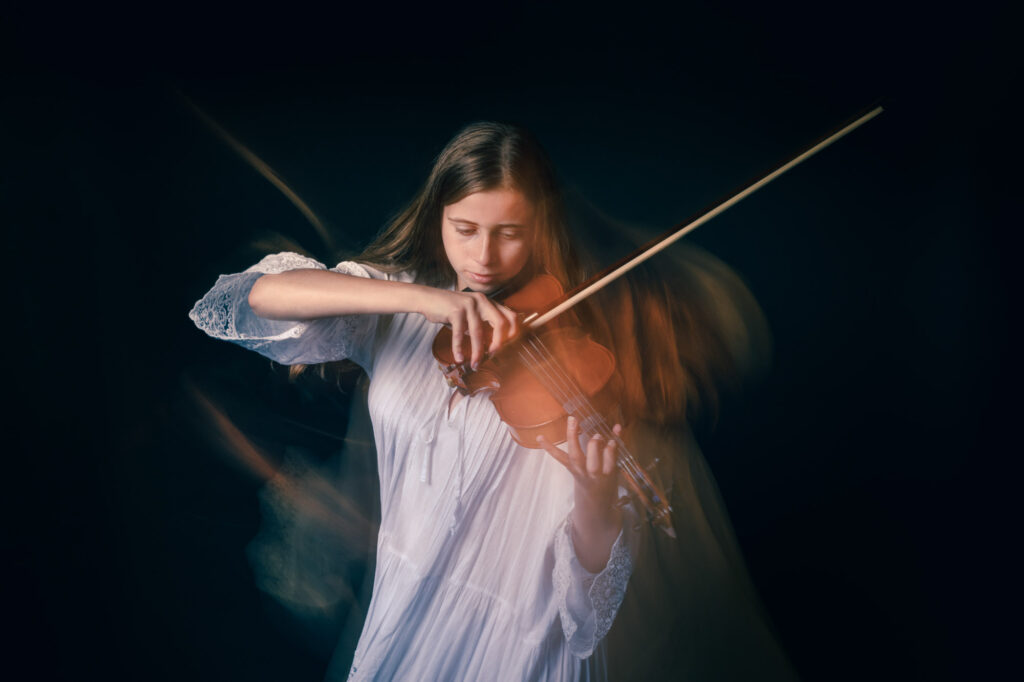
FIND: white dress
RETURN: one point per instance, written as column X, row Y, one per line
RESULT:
column 476, row 576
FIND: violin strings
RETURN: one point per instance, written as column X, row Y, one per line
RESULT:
column 564, row 389
column 562, row 386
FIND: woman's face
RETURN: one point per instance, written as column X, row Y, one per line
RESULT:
column 487, row 237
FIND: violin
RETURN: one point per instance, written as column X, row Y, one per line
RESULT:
column 542, row 377
column 550, row 372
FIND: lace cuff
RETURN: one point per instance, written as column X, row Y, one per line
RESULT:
column 224, row 313
column 588, row 602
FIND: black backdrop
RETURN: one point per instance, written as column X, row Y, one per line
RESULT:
column 857, row 473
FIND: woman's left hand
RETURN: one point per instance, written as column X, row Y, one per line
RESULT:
column 596, row 519
column 594, row 470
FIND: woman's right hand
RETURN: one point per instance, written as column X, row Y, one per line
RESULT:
column 469, row 313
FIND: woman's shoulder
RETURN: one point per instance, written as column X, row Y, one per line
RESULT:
column 286, row 260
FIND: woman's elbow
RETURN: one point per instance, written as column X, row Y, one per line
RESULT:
column 258, row 298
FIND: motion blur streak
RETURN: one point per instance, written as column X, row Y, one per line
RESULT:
column 263, row 169
column 317, row 527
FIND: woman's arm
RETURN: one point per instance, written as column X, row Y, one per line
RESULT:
column 594, row 547
column 313, row 294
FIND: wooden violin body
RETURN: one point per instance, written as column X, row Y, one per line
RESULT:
column 540, row 378
column 521, row 400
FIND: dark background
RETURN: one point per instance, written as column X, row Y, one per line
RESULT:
column 862, row 473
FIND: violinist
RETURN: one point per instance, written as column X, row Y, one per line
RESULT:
column 494, row 561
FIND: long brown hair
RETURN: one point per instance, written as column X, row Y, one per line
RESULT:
column 481, row 157
column 673, row 335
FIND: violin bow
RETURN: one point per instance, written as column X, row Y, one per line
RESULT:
column 658, row 244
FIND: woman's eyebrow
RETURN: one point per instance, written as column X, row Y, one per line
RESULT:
column 499, row 225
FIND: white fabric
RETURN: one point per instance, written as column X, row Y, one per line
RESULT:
column 476, row 576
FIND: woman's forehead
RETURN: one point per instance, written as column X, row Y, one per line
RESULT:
column 492, row 207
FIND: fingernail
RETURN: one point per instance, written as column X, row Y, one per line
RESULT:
column 572, row 422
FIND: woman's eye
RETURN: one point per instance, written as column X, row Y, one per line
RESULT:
column 510, row 235
column 464, row 232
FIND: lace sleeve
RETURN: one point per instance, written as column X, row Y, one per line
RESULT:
column 224, row 313
column 588, row 602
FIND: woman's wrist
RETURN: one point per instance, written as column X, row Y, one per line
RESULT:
column 596, row 514
column 421, row 300
column 595, row 524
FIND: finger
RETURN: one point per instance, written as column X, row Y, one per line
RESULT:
column 458, row 329
column 513, row 320
column 613, row 444
column 554, row 451
column 577, row 460
column 594, row 458
column 611, row 453
column 476, row 335
column 499, row 328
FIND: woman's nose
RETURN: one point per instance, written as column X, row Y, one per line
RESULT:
column 486, row 254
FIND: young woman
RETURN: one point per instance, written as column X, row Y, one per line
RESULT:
column 494, row 562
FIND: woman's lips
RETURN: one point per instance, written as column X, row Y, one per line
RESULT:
column 482, row 279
